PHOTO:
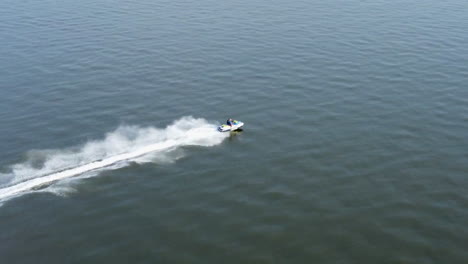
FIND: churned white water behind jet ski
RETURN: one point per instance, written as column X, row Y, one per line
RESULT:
column 126, row 143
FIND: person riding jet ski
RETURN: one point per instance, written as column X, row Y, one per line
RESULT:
column 231, row 125
column 230, row 122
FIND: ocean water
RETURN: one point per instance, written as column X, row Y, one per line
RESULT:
column 354, row 149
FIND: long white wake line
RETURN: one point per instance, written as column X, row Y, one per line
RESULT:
column 30, row 184
column 109, row 151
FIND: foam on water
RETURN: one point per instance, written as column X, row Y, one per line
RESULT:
column 124, row 144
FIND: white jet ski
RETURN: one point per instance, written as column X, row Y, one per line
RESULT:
column 236, row 125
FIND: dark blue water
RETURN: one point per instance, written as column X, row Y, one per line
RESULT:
column 354, row 148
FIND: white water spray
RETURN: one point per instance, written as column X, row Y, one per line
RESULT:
column 124, row 144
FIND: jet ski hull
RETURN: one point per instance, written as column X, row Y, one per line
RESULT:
column 226, row 128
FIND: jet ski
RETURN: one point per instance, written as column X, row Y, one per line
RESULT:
column 236, row 126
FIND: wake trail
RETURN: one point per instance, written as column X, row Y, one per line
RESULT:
column 124, row 144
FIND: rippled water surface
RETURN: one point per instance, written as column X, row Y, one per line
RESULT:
column 354, row 150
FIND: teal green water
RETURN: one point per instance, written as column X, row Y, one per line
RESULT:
column 354, row 148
